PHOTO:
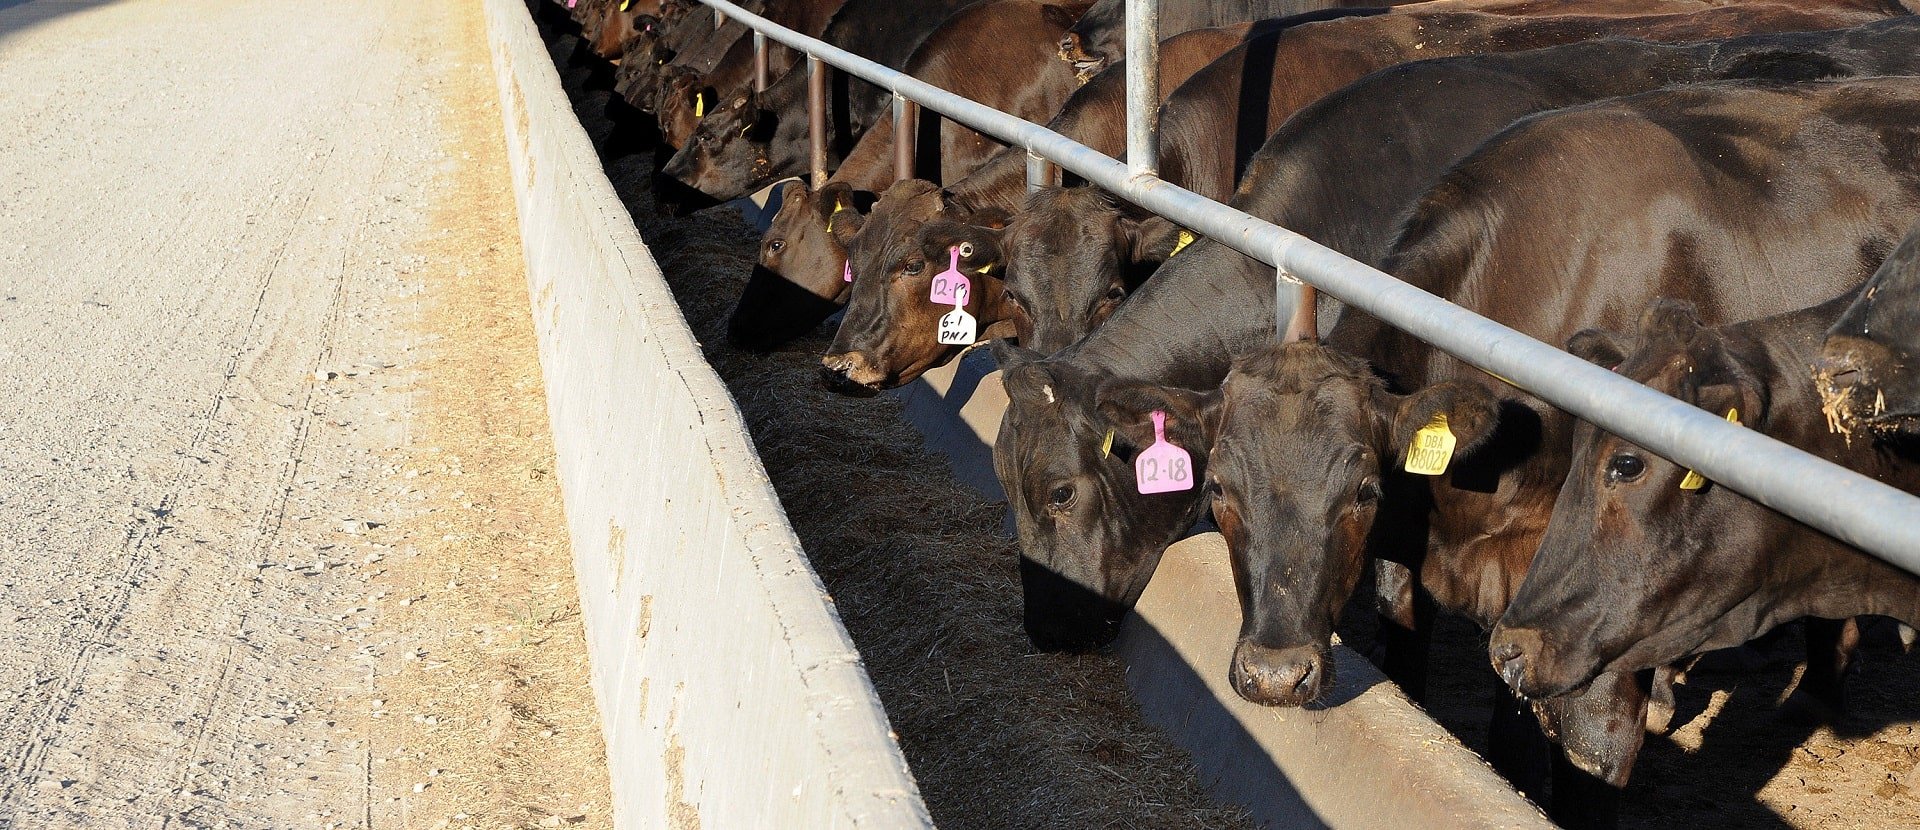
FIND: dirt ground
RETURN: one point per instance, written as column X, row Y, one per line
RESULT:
column 932, row 603
column 279, row 539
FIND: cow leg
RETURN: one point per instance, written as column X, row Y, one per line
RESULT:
column 1516, row 748
column 1600, row 730
column 1660, row 701
column 1822, row 693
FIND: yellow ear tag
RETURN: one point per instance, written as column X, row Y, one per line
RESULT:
column 837, row 207
column 987, row 268
column 1432, row 447
column 700, row 105
column 1695, row 481
column 624, row 4
column 1185, row 238
column 1106, row 446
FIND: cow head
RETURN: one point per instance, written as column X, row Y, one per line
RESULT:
column 1868, row 375
column 616, row 28
column 1073, row 255
column 1637, row 570
column 683, row 101
column 1305, row 479
column 729, row 154
column 797, row 281
column 637, row 79
column 888, row 336
column 1093, row 40
column 1089, row 540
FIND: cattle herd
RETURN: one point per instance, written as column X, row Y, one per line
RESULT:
column 1716, row 198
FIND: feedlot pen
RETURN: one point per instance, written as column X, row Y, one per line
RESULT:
column 923, row 576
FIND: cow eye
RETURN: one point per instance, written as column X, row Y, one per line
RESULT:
column 1625, row 467
column 1115, row 293
column 1369, row 491
column 776, row 245
column 1060, row 497
column 915, row 267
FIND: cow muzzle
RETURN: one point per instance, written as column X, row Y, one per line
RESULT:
column 1529, row 665
column 851, row 373
column 1293, row 676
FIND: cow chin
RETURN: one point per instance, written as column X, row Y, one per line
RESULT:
column 1534, row 667
column 1063, row 615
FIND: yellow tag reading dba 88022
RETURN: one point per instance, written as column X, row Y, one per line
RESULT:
column 1432, row 447
column 1695, row 481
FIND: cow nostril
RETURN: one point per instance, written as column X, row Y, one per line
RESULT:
column 1502, row 652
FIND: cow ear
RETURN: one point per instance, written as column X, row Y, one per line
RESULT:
column 979, row 247
column 1011, row 357
column 841, row 212
column 1062, row 16
column 1128, row 407
column 1599, row 347
column 1471, row 409
column 1670, row 321
column 1153, row 239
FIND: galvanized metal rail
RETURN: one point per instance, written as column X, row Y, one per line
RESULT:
column 1853, row 508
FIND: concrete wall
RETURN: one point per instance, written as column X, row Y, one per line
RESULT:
column 1370, row 759
column 730, row 694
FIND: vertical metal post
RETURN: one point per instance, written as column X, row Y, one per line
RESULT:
column 906, row 130
column 1301, row 322
column 1143, row 87
column 1041, row 173
column 817, row 119
column 759, row 62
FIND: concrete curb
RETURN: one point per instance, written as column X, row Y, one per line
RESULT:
column 1374, row 759
column 730, row 695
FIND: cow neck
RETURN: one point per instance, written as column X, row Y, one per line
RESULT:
column 1184, row 326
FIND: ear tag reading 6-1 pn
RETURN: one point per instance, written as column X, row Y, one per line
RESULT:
column 1163, row 467
column 1432, row 447
column 951, row 283
column 956, row 326
column 1695, row 481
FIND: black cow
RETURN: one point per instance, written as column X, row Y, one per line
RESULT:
column 1642, row 566
column 1073, row 256
column 1868, row 373
column 1481, row 238
column 759, row 138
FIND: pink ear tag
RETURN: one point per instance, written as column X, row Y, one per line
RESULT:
column 847, row 275
column 957, row 326
column 570, row 3
column 1163, row 467
column 951, row 283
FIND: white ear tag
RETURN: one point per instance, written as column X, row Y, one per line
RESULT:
column 957, row 326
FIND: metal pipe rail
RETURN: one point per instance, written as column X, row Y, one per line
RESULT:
column 1853, row 508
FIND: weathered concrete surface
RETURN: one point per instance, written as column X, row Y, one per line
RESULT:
column 731, row 695
column 217, row 256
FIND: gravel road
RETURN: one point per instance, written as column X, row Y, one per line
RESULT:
column 228, row 271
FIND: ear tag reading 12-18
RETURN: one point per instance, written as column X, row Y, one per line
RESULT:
column 1432, row 447
column 951, row 283
column 1163, row 467
column 956, row 326
column 1695, row 481
column 846, row 274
